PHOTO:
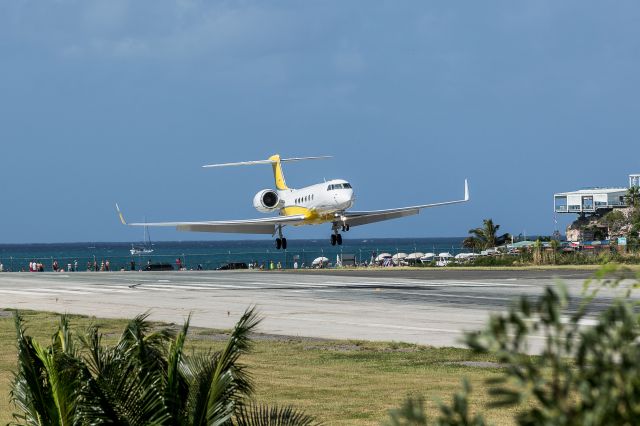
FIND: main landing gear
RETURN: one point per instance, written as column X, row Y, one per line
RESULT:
column 336, row 237
column 281, row 241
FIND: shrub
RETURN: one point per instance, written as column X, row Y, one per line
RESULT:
column 583, row 375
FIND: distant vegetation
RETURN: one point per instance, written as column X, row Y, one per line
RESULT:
column 485, row 237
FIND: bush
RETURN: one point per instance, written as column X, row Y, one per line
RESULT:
column 583, row 375
column 147, row 378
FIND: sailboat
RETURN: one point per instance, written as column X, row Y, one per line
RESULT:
column 144, row 249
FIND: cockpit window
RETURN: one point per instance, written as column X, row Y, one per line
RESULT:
column 339, row 186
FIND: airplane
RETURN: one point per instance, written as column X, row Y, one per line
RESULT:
column 326, row 202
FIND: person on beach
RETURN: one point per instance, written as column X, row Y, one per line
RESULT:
column 75, row 266
column 69, row 267
column 107, row 265
column 1, row 267
column 55, row 266
column 178, row 264
column 133, row 265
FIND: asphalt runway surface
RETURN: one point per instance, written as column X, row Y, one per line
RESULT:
column 432, row 307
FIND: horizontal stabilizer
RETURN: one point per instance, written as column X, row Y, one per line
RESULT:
column 282, row 160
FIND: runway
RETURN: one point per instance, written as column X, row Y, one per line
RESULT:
column 425, row 307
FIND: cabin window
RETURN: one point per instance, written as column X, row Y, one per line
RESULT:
column 347, row 186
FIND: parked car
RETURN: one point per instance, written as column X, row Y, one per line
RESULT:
column 232, row 265
column 159, row 267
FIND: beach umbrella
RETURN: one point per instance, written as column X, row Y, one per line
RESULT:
column 464, row 255
column 398, row 257
column 319, row 260
column 428, row 257
column 382, row 256
column 414, row 256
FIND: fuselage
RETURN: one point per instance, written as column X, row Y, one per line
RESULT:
column 319, row 203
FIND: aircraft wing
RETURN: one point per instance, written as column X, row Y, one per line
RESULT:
column 248, row 226
column 365, row 217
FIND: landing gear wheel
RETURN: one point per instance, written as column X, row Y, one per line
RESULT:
column 339, row 239
column 284, row 243
column 334, row 239
column 346, row 228
column 278, row 243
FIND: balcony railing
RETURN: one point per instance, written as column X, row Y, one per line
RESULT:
column 576, row 208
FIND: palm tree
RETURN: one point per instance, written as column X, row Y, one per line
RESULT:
column 145, row 379
column 485, row 237
column 632, row 197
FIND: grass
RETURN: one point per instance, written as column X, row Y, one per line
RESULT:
column 339, row 382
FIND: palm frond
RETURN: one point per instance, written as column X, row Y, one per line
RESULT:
column 200, row 370
column 176, row 388
column 62, row 379
column 218, row 383
column 124, row 394
column 29, row 392
column 144, row 344
column 262, row 415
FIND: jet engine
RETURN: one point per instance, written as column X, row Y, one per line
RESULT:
column 267, row 201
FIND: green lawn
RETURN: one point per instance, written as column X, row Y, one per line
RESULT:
column 339, row 382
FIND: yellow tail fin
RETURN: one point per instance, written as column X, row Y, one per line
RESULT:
column 277, row 172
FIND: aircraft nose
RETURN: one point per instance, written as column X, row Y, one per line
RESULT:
column 348, row 196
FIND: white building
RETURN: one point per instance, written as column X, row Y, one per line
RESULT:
column 591, row 200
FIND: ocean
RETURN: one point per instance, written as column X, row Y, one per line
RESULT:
column 213, row 254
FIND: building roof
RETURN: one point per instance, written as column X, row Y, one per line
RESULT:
column 588, row 191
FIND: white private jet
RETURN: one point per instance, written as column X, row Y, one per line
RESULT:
column 326, row 202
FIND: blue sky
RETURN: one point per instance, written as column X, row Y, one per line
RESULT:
column 104, row 101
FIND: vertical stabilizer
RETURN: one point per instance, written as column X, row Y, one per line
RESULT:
column 277, row 172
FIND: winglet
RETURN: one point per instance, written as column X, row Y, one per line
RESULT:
column 466, row 190
column 124, row 222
